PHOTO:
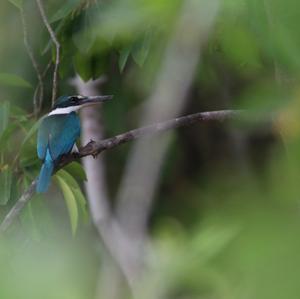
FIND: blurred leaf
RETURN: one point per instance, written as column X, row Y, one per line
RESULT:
column 13, row 80
column 76, row 170
column 32, row 131
column 265, row 97
column 19, row 112
column 124, row 54
column 4, row 116
column 65, row 10
column 83, row 41
column 213, row 239
column 83, row 67
column 29, row 157
column 70, row 201
column 125, row 19
column 6, row 134
column 17, row 3
column 141, row 49
column 85, row 37
column 240, row 47
column 5, row 185
column 68, row 52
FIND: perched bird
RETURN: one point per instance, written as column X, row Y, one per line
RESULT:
column 58, row 132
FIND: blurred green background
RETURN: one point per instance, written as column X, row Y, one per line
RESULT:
column 226, row 218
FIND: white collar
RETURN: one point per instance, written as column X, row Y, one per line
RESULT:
column 66, row 110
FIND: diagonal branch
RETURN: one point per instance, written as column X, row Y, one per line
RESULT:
column 94, row 148
column 57, row 46
column 18, row 207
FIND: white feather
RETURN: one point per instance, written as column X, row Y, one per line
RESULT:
column 66, row 110
column 75, row 149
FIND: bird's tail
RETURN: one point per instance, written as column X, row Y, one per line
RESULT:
column 45, row 177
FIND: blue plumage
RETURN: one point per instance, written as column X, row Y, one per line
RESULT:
column 56, row 137
column 58, row 133
column 45, row 175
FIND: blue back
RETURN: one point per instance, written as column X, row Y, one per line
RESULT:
column 57, row 135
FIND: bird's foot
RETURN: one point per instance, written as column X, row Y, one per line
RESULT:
column 95, row 155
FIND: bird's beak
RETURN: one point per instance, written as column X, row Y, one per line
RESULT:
column 86, row 101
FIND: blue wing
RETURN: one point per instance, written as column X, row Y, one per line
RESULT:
column 57, row 133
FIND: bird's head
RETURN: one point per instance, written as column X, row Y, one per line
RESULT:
column 67, row 104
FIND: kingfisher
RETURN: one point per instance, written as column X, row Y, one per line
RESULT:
column 58, row 132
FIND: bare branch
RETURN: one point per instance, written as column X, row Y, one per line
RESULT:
column 39, row 86
column 40, row 90
column 94, row 148
column 57, row 46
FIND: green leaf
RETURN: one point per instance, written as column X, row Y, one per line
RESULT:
column 124, row 54
column 13, row 80
column 17, row 3
column 70, row 202
column 4, row 116
column 81, row 200
column 76, row 170
column 211, row 240
column 28, row 157
column 68, row 178
column 6, row 134
column 5, row 185
column 18, row 112
column 141, row 49
column 84, row 38
column 72, row 183
column 65, row 10
column 31, row 132
column 83, row 67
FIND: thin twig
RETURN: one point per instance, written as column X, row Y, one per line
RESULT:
column 36, row 103
column 57, row 46
column 94, row 148
column 40, row 104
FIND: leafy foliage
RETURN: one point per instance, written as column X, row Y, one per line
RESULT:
column 226, row 220
column 17, row 3
column 70, row 201
column 65, row 10
column 13, row 80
